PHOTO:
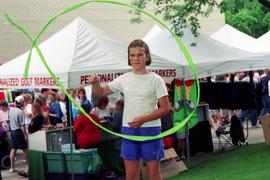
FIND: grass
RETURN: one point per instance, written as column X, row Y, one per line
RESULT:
column 247, row 162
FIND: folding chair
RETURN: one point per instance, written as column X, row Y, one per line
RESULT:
column 224, row 139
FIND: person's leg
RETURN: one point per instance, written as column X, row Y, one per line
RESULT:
column 153, row 170
column 264, row 100
column 25, row 154
column 12, row 156
column 253, row 114
column 132, row 168
column 181, row 145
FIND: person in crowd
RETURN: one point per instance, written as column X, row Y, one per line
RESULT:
column 45, row 93
column 18, row 132
column 62, row 102
column 82, row 97
column 35, row 125
column 265, row 98
column 37, row 119
column 27, row 108
column 4, row 121
column 73, row 94
column 102, row 110
column 142, row 90
column 74, row 109
column 251, row 113
column 55, row 112
column 45, row 109
column 88, row 135
column 215, row 119
column 118, row 116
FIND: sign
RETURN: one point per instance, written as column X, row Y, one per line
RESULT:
column 27, row 82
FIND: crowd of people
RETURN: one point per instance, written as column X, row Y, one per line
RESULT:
column 46, row 109
column 260, row 88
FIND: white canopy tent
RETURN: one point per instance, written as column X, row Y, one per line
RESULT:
column 265, row 38
column 235, row 38
column 74, row 53
column 209, row 56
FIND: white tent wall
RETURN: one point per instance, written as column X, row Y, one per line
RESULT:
column 74, row 53
column 209, row 56
column 237, row 39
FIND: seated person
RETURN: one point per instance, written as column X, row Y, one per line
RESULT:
column 87, row 134
column 102, row 110
column 118, row 116
column 216, row 122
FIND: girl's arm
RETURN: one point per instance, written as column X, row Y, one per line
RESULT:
column 97, row 89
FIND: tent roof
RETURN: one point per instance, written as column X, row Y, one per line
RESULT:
column 76, row 51
column 235, row 38
column 209, row 56
column 265, row 38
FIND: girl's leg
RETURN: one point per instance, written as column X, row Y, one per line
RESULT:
column 153, row 169
column 132, row 169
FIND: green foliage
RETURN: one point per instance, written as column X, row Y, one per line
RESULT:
column 248, row 16
column 179, row 13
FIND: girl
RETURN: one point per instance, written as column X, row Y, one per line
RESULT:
column 142, row 90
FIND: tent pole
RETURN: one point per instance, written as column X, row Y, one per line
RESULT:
column 70, row 125
column 186, row 126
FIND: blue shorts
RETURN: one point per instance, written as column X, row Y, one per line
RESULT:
column 17, row 139
column 147, row 150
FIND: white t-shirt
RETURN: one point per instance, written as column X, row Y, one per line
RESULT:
column 101, row 113
column 141, row 94
column 27, row 110
column 64, row 111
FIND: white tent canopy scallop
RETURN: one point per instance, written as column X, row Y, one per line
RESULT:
column 74, row 53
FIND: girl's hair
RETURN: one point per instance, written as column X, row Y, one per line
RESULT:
column 140, row 43
column 120, row 104
column 81, row 91
column 37, row 106
column 102, row 100
column 3, row 103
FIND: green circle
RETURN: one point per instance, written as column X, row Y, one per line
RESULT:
column 76, row 6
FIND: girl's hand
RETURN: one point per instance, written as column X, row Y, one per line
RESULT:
column 93, row 80
column 136, row 122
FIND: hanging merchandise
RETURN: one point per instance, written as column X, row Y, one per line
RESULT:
column 184, row 103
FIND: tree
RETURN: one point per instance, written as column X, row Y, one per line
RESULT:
column 179, row 13
column 248, row 16
column 184, row 13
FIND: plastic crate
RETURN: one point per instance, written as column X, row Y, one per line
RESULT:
column 56, row 162
column 56, row 176
column 82, row 161
column 80, row 176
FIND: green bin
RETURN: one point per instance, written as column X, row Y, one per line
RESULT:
column 83, row 161
column 56, row 162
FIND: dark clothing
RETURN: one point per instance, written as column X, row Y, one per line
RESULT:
column 36, row 124
column 264, row 85
column 117, row 122
column 55, row 109
column 87, row 102
column 236, row 131
column 17, row 139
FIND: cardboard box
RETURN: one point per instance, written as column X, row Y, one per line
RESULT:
column 168, row 165
column 265, row 120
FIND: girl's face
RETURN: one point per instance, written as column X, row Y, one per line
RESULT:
column 51, row 97
column 34, row 110
column 138, row 58
column 81, row 95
